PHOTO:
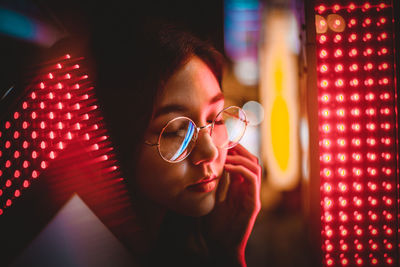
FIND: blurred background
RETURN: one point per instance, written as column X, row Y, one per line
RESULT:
column 265, row 44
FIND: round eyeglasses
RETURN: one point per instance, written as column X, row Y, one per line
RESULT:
column 178, row 137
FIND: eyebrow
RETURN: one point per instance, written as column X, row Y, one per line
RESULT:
column 169, row 108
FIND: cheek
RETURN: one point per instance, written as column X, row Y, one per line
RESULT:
column 157, row 179
column 222, row 152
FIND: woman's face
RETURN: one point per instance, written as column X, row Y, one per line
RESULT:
column 187, row 187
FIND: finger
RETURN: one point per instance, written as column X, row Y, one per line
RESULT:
column 240, row 160
column 245, row 173
column 239, row 149
column 237, row 186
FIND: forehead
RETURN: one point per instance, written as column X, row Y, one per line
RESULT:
column 193, row 84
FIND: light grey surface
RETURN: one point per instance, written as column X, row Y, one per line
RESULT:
column 75, row 237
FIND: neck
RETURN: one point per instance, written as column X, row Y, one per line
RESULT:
column 150, row 218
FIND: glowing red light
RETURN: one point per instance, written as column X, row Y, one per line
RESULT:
column 41, row 85
column 24, row 105
column 326, row 143
column 8, row 164
column 8, row 202
column 338, row 53
column 25, row 164
column 341, row 142
column 357, row 186
column 383, row 51
column 50, row 76
column 326, row 128
column 328, row 217
column 340, row 112
column 342, row 172
column 353, row 52
column 323, row 53
column 25, row 184
column 352, row 38
column 327, row 187
column 367, row 6
column 354, row 82
column 356, row 127
column 337, row 38
column 17, row 193
column 353, row 67
column 355, row 97
column 43, row 165
column 339, row 68
column 324, row 83
column 34, row 174
column 357, row 201
column 16, row 154
column 322, row 39
column 352, row 6
column 25, row 144
column 34, row 154
column 336, row 8
column 33, row 95
column 8, row 183
column 341, row 127
column 341, row 157
column 342, row 187
column 323, row 68
column 339, row 83
column 7, row 144
column 340, row 98
column 60, row 145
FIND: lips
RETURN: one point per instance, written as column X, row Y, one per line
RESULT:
column 205, row 185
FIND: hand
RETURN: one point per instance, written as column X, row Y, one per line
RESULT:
column 230, row 223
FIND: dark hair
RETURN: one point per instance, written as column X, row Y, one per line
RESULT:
column 133, row 66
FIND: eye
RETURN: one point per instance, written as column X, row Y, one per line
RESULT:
column 219, row 121
column 174, row 133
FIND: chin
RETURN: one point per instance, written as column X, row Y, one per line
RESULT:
column 200, row 208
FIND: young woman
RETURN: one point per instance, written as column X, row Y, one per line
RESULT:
column 195, row 189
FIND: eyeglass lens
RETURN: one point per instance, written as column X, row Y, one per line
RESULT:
column 179, row 136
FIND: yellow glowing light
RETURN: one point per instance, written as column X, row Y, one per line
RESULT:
column 279, row 96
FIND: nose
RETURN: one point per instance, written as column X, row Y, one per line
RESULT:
column 205, row 150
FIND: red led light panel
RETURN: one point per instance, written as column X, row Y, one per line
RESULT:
column 59, row 109
column 357, row 133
